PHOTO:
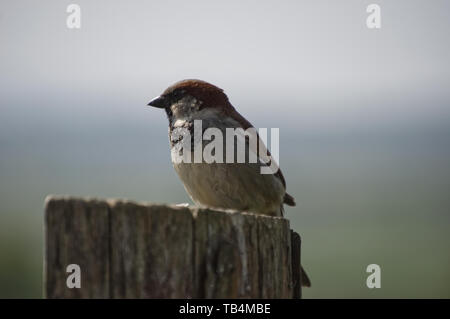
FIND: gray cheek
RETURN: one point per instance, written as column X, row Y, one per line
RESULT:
column 185, row 108
column 178, row 110
column 194, row 105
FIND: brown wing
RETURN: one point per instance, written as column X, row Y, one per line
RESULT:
column 231, row 111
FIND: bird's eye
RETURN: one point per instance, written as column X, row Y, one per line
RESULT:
column 176, row 95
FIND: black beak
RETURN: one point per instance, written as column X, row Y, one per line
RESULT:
column 159, row 102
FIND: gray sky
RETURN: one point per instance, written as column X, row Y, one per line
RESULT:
column 315, row 60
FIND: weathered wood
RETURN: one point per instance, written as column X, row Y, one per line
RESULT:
column 77, row 232
column 151, row 251
column 226, row 255
column 129, row 250
column 296, row 264
column 274, row 242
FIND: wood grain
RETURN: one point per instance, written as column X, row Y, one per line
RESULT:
column 77, row 232
column 131, row 250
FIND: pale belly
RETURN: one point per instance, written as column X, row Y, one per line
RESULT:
column 232, row 186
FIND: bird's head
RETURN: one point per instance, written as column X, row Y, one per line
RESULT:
column 188, row 98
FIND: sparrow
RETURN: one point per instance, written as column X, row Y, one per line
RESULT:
column 223, row 185
column 237, row 186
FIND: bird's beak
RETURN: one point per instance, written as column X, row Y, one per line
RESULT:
column 159, row 102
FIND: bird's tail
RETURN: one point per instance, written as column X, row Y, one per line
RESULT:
column 289, row 200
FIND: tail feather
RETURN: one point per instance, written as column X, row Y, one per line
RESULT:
column 289, row 200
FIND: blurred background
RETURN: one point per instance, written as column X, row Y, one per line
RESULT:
column 363, row 114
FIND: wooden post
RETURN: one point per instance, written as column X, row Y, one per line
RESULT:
column 130, row 250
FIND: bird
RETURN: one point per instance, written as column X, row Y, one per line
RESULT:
column 236, row 185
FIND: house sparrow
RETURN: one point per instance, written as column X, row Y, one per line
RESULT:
column 238, row 186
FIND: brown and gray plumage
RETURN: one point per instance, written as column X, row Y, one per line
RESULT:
column 237, row 186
